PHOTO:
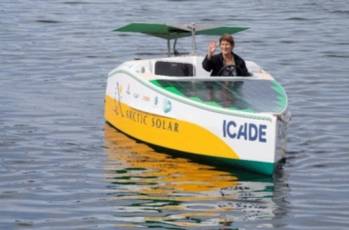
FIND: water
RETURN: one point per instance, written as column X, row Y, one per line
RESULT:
column 61, row 167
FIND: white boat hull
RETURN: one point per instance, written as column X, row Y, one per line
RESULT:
column 153, row 115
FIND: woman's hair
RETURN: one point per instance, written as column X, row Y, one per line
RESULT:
column 227, row 38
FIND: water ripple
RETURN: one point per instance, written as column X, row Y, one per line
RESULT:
column 62, row 168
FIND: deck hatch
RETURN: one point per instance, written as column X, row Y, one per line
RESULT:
column 174, row 69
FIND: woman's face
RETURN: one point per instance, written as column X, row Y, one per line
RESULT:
column 226, row 47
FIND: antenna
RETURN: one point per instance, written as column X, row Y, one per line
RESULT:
column 192, row 28
column 168, row 47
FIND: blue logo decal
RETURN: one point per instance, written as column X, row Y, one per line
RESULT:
column 245, row 131
column 167, row 106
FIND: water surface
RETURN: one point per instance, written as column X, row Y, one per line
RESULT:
column 62, row 167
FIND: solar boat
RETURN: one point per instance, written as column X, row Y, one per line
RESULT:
column 171, row 102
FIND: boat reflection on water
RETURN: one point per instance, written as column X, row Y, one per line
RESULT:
column 155, row 189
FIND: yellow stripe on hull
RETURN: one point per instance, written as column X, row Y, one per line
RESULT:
column 164, row 131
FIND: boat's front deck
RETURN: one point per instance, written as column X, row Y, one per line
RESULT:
column 249, row 95
column 184, row 76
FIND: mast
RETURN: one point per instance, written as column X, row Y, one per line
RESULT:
column 168, row 47
column 192, row 28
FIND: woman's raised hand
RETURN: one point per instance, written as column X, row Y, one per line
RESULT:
column 211, row 48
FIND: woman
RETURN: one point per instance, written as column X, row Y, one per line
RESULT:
column 225, row 63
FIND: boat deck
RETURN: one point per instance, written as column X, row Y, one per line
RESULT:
column 248, row 95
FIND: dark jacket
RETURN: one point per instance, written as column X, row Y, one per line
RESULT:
column 216, row 63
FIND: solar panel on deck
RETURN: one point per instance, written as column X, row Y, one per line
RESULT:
column 246, row 95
